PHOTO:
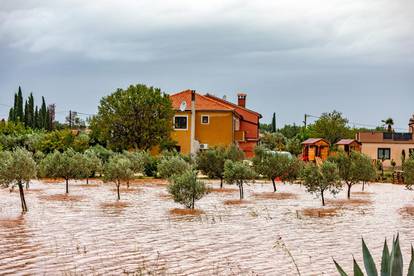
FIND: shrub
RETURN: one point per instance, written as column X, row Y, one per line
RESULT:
column 238, row 172
column 391, row 263
column 150, row 165
column 317, row 180
column 409, row 173
column 170, row 166
column 186, row 189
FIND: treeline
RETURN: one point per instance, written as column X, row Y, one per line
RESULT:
column 26, row 112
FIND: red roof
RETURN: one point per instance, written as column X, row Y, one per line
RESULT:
column 347, row 142
column 312, row 141
column 230, row 104
column 201, row 102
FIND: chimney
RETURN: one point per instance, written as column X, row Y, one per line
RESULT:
column 241, row 99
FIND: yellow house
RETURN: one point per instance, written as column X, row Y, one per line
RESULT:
column 201, row 123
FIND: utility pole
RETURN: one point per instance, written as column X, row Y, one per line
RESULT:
column 70, row 119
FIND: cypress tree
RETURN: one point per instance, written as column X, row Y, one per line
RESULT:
column 26, row 114
column 43, row 115
column 274, row 122
column 16, row 101
column 19, row 109
column 31, row 111
column 36, row 118
column 11, row 115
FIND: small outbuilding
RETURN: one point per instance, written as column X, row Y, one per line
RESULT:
column 314, row 148
column 349, row 145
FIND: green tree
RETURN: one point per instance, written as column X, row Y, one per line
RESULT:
column 330, row 126
column 171, row 165
column 139, row 117
column 186, row 189
column 270, row 165
column 17, row 167
column 211, row 163
column 137, row 159
column 90, row 164
column 274, row 123
column 239, row 173
column 150, row 164
column 290, row 131
column 64, row 165
column 274, row 141
column 81, row 142
column 294, row 146
column 317, row 180
column 353, row 168
column 409, row 173
column 118, row 169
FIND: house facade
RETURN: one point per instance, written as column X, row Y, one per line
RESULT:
column 202, row 121
column 388, row 146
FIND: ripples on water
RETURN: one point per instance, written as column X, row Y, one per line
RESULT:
column 90, row 233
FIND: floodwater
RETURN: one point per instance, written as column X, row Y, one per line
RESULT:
column 88, row 233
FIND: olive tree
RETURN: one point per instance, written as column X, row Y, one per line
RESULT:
column 66, row 165
column 186, row 189
column 117, row 169
column 90, row 164
column 270, row 164
column 211, row 163
column 137, row 159
column 317, row 180
column 171, row 165
column 238, row 172
column 409, row 173
column 17, row 167
column 353, row 168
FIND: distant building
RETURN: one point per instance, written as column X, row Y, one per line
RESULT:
column 388, row 146
column 349, row 145
column 315, row 149
column 204, row 121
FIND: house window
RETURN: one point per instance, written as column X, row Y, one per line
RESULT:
column 180, row 122
column 205, row 119
column 384, row 153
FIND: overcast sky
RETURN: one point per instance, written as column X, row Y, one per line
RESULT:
column 291, row 57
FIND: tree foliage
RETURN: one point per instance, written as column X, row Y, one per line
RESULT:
column 139, row 117
column 317, row 180
column 172, row 165
column 409, row 173
column 273, row 165
column 66, row 165
column 186, row 189
column 331, row 126
column 17, row 167
column 117, row 169
column 353, row 168
column 274, row 141
column 239, row 173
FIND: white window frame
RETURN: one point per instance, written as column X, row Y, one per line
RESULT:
column 208, row 119
column 177, row 116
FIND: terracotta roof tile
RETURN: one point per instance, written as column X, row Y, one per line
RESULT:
column 202, row 102
column 311, row 141
column 346, row 141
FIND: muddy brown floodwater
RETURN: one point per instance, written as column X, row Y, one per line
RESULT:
column 89, row 233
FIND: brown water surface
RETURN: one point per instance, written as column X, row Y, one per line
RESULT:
column 89, row 232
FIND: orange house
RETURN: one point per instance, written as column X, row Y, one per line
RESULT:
column 201, row 122
column 249, row 122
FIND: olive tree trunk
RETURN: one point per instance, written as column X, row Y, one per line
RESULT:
column 67, row 185
column 274, row 185
column 118, row 184
column 323, row 198
column 22, row 199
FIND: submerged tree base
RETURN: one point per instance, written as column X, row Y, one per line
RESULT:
column 186, row 212
column 320, row 212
